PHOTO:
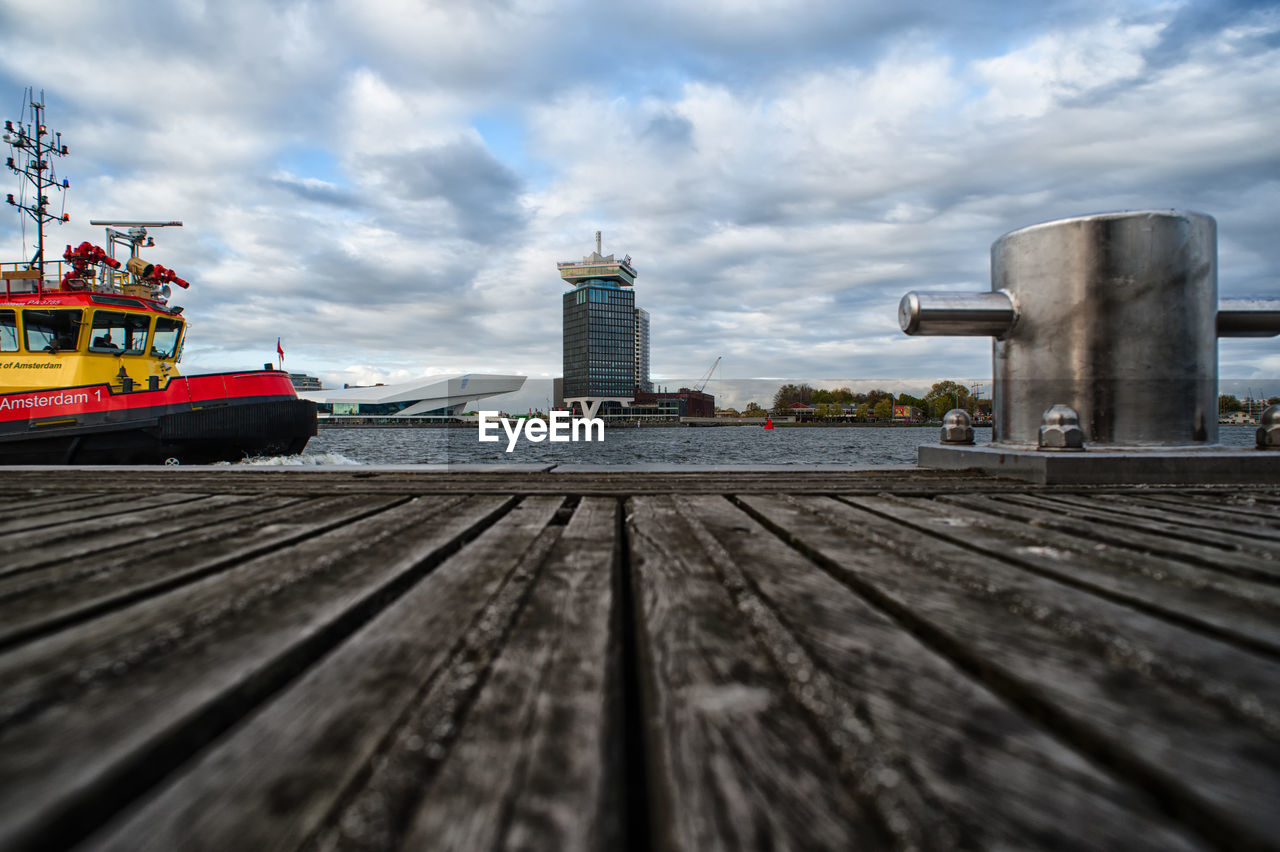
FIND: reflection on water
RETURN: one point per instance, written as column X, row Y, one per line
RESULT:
column 747, row 445
column 691, row 445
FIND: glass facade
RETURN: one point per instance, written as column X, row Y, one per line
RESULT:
column 599, row 339
column 642, row 382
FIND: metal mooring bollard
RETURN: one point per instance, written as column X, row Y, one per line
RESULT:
column 1269, row 429
column 1115, row 316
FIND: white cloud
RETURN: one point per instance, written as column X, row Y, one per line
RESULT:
column 1062, row 66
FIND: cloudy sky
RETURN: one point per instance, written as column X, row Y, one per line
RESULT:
column 388, row 185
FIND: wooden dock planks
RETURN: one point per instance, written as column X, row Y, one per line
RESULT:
column 635, row 661
column 717, row 711
column 915, row 733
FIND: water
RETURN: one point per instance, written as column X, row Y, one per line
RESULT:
column 745, row 445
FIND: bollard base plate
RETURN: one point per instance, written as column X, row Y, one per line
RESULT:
column 1208, row 466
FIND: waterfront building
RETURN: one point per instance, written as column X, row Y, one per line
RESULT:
column 685, row 402
column 443, row 397
column 303, row 382
column 600, row 337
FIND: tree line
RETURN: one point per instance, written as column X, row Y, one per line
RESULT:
column 1229, row 404
column 941, row 398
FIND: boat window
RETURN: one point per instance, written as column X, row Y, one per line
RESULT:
column 8, row 332
column 168, row 333
column 51, row 331
column 119, row 333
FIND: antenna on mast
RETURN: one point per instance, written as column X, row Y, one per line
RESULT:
column 32, row 158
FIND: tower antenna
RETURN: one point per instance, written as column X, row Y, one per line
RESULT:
column 34, row 146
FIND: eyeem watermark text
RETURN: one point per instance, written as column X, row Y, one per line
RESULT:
column 559, row 427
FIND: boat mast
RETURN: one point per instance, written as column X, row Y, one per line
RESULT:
column 33, row 159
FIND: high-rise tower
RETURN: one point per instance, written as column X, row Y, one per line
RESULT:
column 600, row 337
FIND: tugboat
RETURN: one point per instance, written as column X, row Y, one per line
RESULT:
column 89, row 349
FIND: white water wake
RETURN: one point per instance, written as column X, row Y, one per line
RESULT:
column 325, row 459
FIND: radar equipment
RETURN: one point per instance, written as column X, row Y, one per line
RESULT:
column 149, row 279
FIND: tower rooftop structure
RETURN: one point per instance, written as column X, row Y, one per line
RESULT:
column 600, row 331
column 598, row 267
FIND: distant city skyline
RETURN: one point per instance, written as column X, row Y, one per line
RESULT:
column 736, row 393
column 387, row 187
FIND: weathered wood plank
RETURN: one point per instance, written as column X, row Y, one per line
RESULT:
column 46, row 599
column 1206, row 544
column 280, row 779
column 1243, row 611
column 733, row 760
column 930, row 745
column 1192, row 719
column 32, row 548
column 1191, row 523
column 35, row 501
column 534, row 765
column 1209, row 555
column 91, row 717
column 90, row 507
column 1236, row 508
column 1211, row 515
column 1259, row 497
column 605, row 480
column 618, row 482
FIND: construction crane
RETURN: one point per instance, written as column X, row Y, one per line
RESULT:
column 707, row 377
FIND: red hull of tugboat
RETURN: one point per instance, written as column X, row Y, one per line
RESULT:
column 190, row 420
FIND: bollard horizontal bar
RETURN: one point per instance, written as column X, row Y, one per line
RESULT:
column 1248, row 317
column 957, row 314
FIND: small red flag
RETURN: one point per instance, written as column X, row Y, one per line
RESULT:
column 279, row 349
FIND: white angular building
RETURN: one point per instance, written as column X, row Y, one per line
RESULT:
column 434, row 396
